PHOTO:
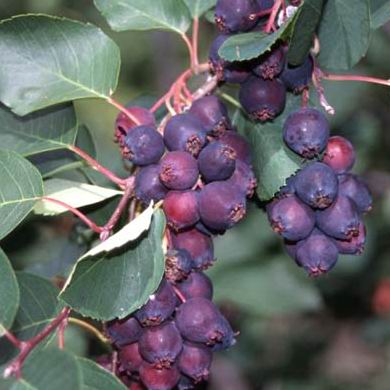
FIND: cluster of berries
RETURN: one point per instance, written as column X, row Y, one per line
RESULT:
column 318, row 212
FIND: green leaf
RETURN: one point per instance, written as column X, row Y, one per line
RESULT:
column 380, row 13
column 48, row 60
column 304, row 29
column 199, row 7
column 9, row 294
column 13, row 384
column 50, row 129
column 273, row 162
column 344, row 33
column 20, row 187
column 95, row 377
column 116, row 284
column 242, row 47
column 169, row 15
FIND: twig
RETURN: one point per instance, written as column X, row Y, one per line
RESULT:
column 195, row 42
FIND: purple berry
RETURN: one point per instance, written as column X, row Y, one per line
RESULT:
column 148, row 186
column 123, row 332
column 129, row 358
column 355, row 246
column 270, row 64
column 159, row 379
column 198, row 245
column 291, row 248
column 340, row 220
column 105, row 361
column 185, row 383
column 288, row 188
column 181, row 209
column 178, row 170
column 186, row 133
column 317, row 254
column 195, row 361
column 200, row 321
column 239, row 144
column 354, row 187
column 161, row 345
column 291, row 218
column 339, row 154
column 316, row 184
column 221, row 205
column 178, row 265
column 306, row 132
column 244, row 179
column 159, row 307
column 297, row 78
column 217, row 161
column 197, row 285
column 262, row 99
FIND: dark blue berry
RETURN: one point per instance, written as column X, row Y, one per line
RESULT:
column 316, row 184
column 195, row 361
column 339, row 154
column 270, row 64
column 129, row 358
column 306, row 132
column 354, row 246
column 148, row 186
column 355, row 188
column 239, row 144
column 197, row 285
column 297, row 78
column 288, row 188
column 178, row 265
column 243, row 179
column 123, row 332
column 159, row 379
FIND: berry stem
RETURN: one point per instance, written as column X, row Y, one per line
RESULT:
column 190, row 50
column 13, row 340
column 95, row 165
column 61, row 333
column 305, row 97
column 321, row 92
column 195, row 42
column 272, row 17
column 350, row 77
column 206, row 88
column 90, row 329
column 230, row 99
column 260, row 14
column 179, row 294
column 26, row 347
column 123, row 109
column 76, row 212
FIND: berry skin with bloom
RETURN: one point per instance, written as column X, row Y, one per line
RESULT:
column 148, row 186
column 297, row 78
column 159, row 379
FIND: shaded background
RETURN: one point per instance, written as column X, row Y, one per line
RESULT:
column 295, row 332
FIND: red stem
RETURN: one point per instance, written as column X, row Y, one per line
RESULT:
column 12, row 339
column 305, row 97
column 351, row 77
column 260, row 14
column 272, row 17
column 195, row 41
column 123, row 109
column 61, row 333
column 190, row 49
column 179, row 294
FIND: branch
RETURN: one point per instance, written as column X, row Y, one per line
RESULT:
column 351, row 77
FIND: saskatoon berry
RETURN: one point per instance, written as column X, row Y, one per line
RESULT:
column 195, row 361
column 271, row 64
column 355, row 246
column 144, row 145
column 130, row 358
column 161, row 345
column 178, row 265
column 212, row 113
column 317, row 254
column 185, row 383
column 148, row 186
column 291, row 218
column 291, row 248
column 339, row 154
column 178, row 170
column 239, row 144
column 198, row 245
column 159, row 379
column 123, row 332
column 234, row 15
column 159, row 307
column 221, row 205
column 217, row 161
column 262, row 99
column 306, row 132
column 316, row 184
column 181, row 209
column 105, row 361
column 341, row 220
column 297, row 78
column 197, row 285
column 186, row 133
column 244, row 179
column 135, row 385
column 288, row 188
column 354, row 187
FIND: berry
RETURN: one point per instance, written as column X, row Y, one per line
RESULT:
column 239, row 144
column 212, row 113
column 262, row 99
column 316, row 184
column 297, row 78
column 291, row 218
column 288, row 188
column 178, row 265
column 143, row 145
column 354, row 187
column 197, row 285
column 148, row 186
column 195, row 361
column 186, row 133
column 159, row 307
column 306, row 132
column 243, row 179
column 185, row 383
column 341, row 220
column 270, row 64
column 105, row 361
column 217, row 161
column 123, row 332
column 355, row 246
column 221, row 205
column 234, row 15
column 178, row 170
column 198, row 245
column 129, row 358
column 161, row 345
column 159, row 379
column 317, row 254
column 339, row 154
column 181, row 209
column 291, row 248
column 200, row 321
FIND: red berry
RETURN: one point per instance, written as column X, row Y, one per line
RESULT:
column 339, row 154
column 130, row 358
column 159, row 379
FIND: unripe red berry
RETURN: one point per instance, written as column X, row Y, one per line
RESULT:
column 129, row 358
column 339, row 154
column 159, row 379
